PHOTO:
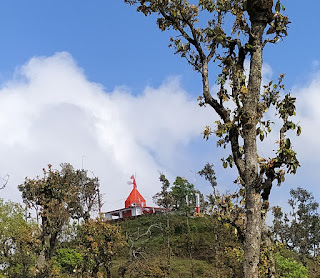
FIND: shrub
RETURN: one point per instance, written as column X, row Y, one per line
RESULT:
column 68, row 259
column 289, row 268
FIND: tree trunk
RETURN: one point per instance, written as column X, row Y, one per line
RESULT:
column 253, row 234
column 267, row 243
column 252, row 184
column 168, row 245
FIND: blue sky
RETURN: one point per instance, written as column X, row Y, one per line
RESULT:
column 109, row 37
column 96, row 79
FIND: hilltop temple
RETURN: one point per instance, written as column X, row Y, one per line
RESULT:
column 134, row 205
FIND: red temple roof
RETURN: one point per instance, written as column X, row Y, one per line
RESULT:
column 135, row 198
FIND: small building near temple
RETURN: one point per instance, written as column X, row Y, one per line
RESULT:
column 134, row 205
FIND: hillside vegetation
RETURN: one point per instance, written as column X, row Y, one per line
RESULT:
column 201, row 246
column 63, row 240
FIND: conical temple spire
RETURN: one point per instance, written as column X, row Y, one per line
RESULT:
column 135, row 198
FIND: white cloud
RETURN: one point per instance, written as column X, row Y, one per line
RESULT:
column 308, row 114
column 50, row 113
column 306, row 145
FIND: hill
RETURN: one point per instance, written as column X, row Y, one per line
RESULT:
column 180, row 246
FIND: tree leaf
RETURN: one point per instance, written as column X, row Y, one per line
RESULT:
column 244, row 89
column 299, row 130
column 288, row 143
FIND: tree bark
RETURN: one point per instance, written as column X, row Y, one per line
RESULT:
column 267, row 243
column 252, row 184
column 253, row 234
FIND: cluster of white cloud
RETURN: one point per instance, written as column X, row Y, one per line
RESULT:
column 50, row 113
column 306, row 145
column 308, row 113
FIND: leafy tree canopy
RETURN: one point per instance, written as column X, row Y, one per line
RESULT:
column 300, row 229
column 177, row 196
column 18, row 241
column 99, row 241
column 57, row 197
column 225, row 33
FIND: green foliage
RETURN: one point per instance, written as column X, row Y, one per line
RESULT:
column 289, row 268
column 142, row 268
column 228, row 207
column 216, row 249
column 176, row 197
column 164, row 198
column 209, row 174
column 57, row 197
column 182, row 268
column 210, row 242
column 18, row 241
column 68, row 259
column 301, row 229
column 180, row 190
column 98, row 242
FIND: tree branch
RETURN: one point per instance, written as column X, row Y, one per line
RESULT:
column 235, row 148
column 5, row 181
column 209, row 99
